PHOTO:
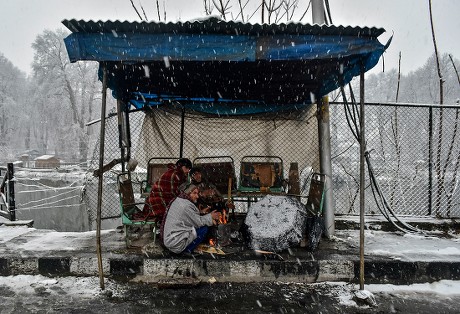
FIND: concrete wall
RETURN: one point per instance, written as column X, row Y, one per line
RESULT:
column 52, row 198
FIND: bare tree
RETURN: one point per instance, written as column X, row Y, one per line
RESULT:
column 289, row 8
column 396, row 140
column 272, row 7
column 135, row 9
column 439, row 173
column 207, row 7
column 223, row 7
column 270, row 11
column 455, row 68
column 241, row 7
column 158, row 10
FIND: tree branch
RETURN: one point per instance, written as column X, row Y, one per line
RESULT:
column 455, row 68
column 135, row 9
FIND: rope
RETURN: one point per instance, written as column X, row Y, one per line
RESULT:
column 48, row 198
column 50, row 203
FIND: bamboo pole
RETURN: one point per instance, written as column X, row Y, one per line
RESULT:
column 362, row 146
column 101, row 178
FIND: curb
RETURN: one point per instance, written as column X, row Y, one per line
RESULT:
column 381, row 272
column 397, row 272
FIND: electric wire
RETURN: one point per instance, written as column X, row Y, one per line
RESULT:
column 352, row 117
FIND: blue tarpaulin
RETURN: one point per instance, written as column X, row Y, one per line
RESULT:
column 224, row 68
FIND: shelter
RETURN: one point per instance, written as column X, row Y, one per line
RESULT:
column 228, row 71
column 47, row 161
column 225, row 68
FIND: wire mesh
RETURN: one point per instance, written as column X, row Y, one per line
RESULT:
column 293, row 138
column 406, row 151
column 415, row 158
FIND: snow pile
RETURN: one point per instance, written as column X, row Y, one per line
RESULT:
column 345, row 293
column 8, row 233
column 83, row 287
column 442, row 287
column 275, row 223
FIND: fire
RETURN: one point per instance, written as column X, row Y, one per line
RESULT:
column 222, row 221
column 223, row 217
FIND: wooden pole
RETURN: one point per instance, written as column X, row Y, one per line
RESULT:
column 101, row 178
column 182, row 129
column 11, row 195
column 362, row 146
column 121, row 134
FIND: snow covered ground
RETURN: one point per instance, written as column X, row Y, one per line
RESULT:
column 40, row 294
column 404, row 247
column 396, row 246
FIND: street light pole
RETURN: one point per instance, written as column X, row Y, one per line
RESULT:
column 324, row 135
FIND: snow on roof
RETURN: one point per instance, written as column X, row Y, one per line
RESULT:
column 45, row 157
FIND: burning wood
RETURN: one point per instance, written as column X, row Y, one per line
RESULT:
column 223, row 217
column 203, row 248
column 269, row 253
column 219, row 235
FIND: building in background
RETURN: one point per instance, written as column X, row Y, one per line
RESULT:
column 47, row 161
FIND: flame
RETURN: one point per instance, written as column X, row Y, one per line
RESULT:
column 222, row 220
column 223, row 217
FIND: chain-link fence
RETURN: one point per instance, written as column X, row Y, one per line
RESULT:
column 415, row 155
column 400, row 140
column 293, row 138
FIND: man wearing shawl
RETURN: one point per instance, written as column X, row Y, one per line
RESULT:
column 183, row 227
column 165, row 189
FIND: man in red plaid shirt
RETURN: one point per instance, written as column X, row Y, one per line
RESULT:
column 165, row 189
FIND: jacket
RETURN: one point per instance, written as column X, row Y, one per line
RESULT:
column 180, row 224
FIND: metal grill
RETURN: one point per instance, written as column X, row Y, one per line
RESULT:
column 398, row 139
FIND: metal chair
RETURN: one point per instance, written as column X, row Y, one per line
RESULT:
column 156, row 166
column 129, row 208
column 261, row 174
column 218, row 170
column 315, row 202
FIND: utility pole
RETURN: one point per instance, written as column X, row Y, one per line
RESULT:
column 324, row 136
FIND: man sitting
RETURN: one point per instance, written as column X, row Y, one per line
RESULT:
column 210, row 197
column 184, row 227
column 165, row 189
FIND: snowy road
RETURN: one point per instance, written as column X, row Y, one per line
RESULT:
column 38, row 294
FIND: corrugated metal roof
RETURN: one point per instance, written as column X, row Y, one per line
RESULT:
column 214, row 65
column 214, row 25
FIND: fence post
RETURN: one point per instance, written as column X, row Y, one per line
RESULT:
column 430, row 161
column 10, row 196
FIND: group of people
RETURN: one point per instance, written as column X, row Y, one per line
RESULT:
column 180, row 200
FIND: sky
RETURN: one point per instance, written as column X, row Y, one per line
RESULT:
column 22, row 20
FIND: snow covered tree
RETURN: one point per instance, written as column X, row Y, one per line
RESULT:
column 13, row 86
column 64, row 96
